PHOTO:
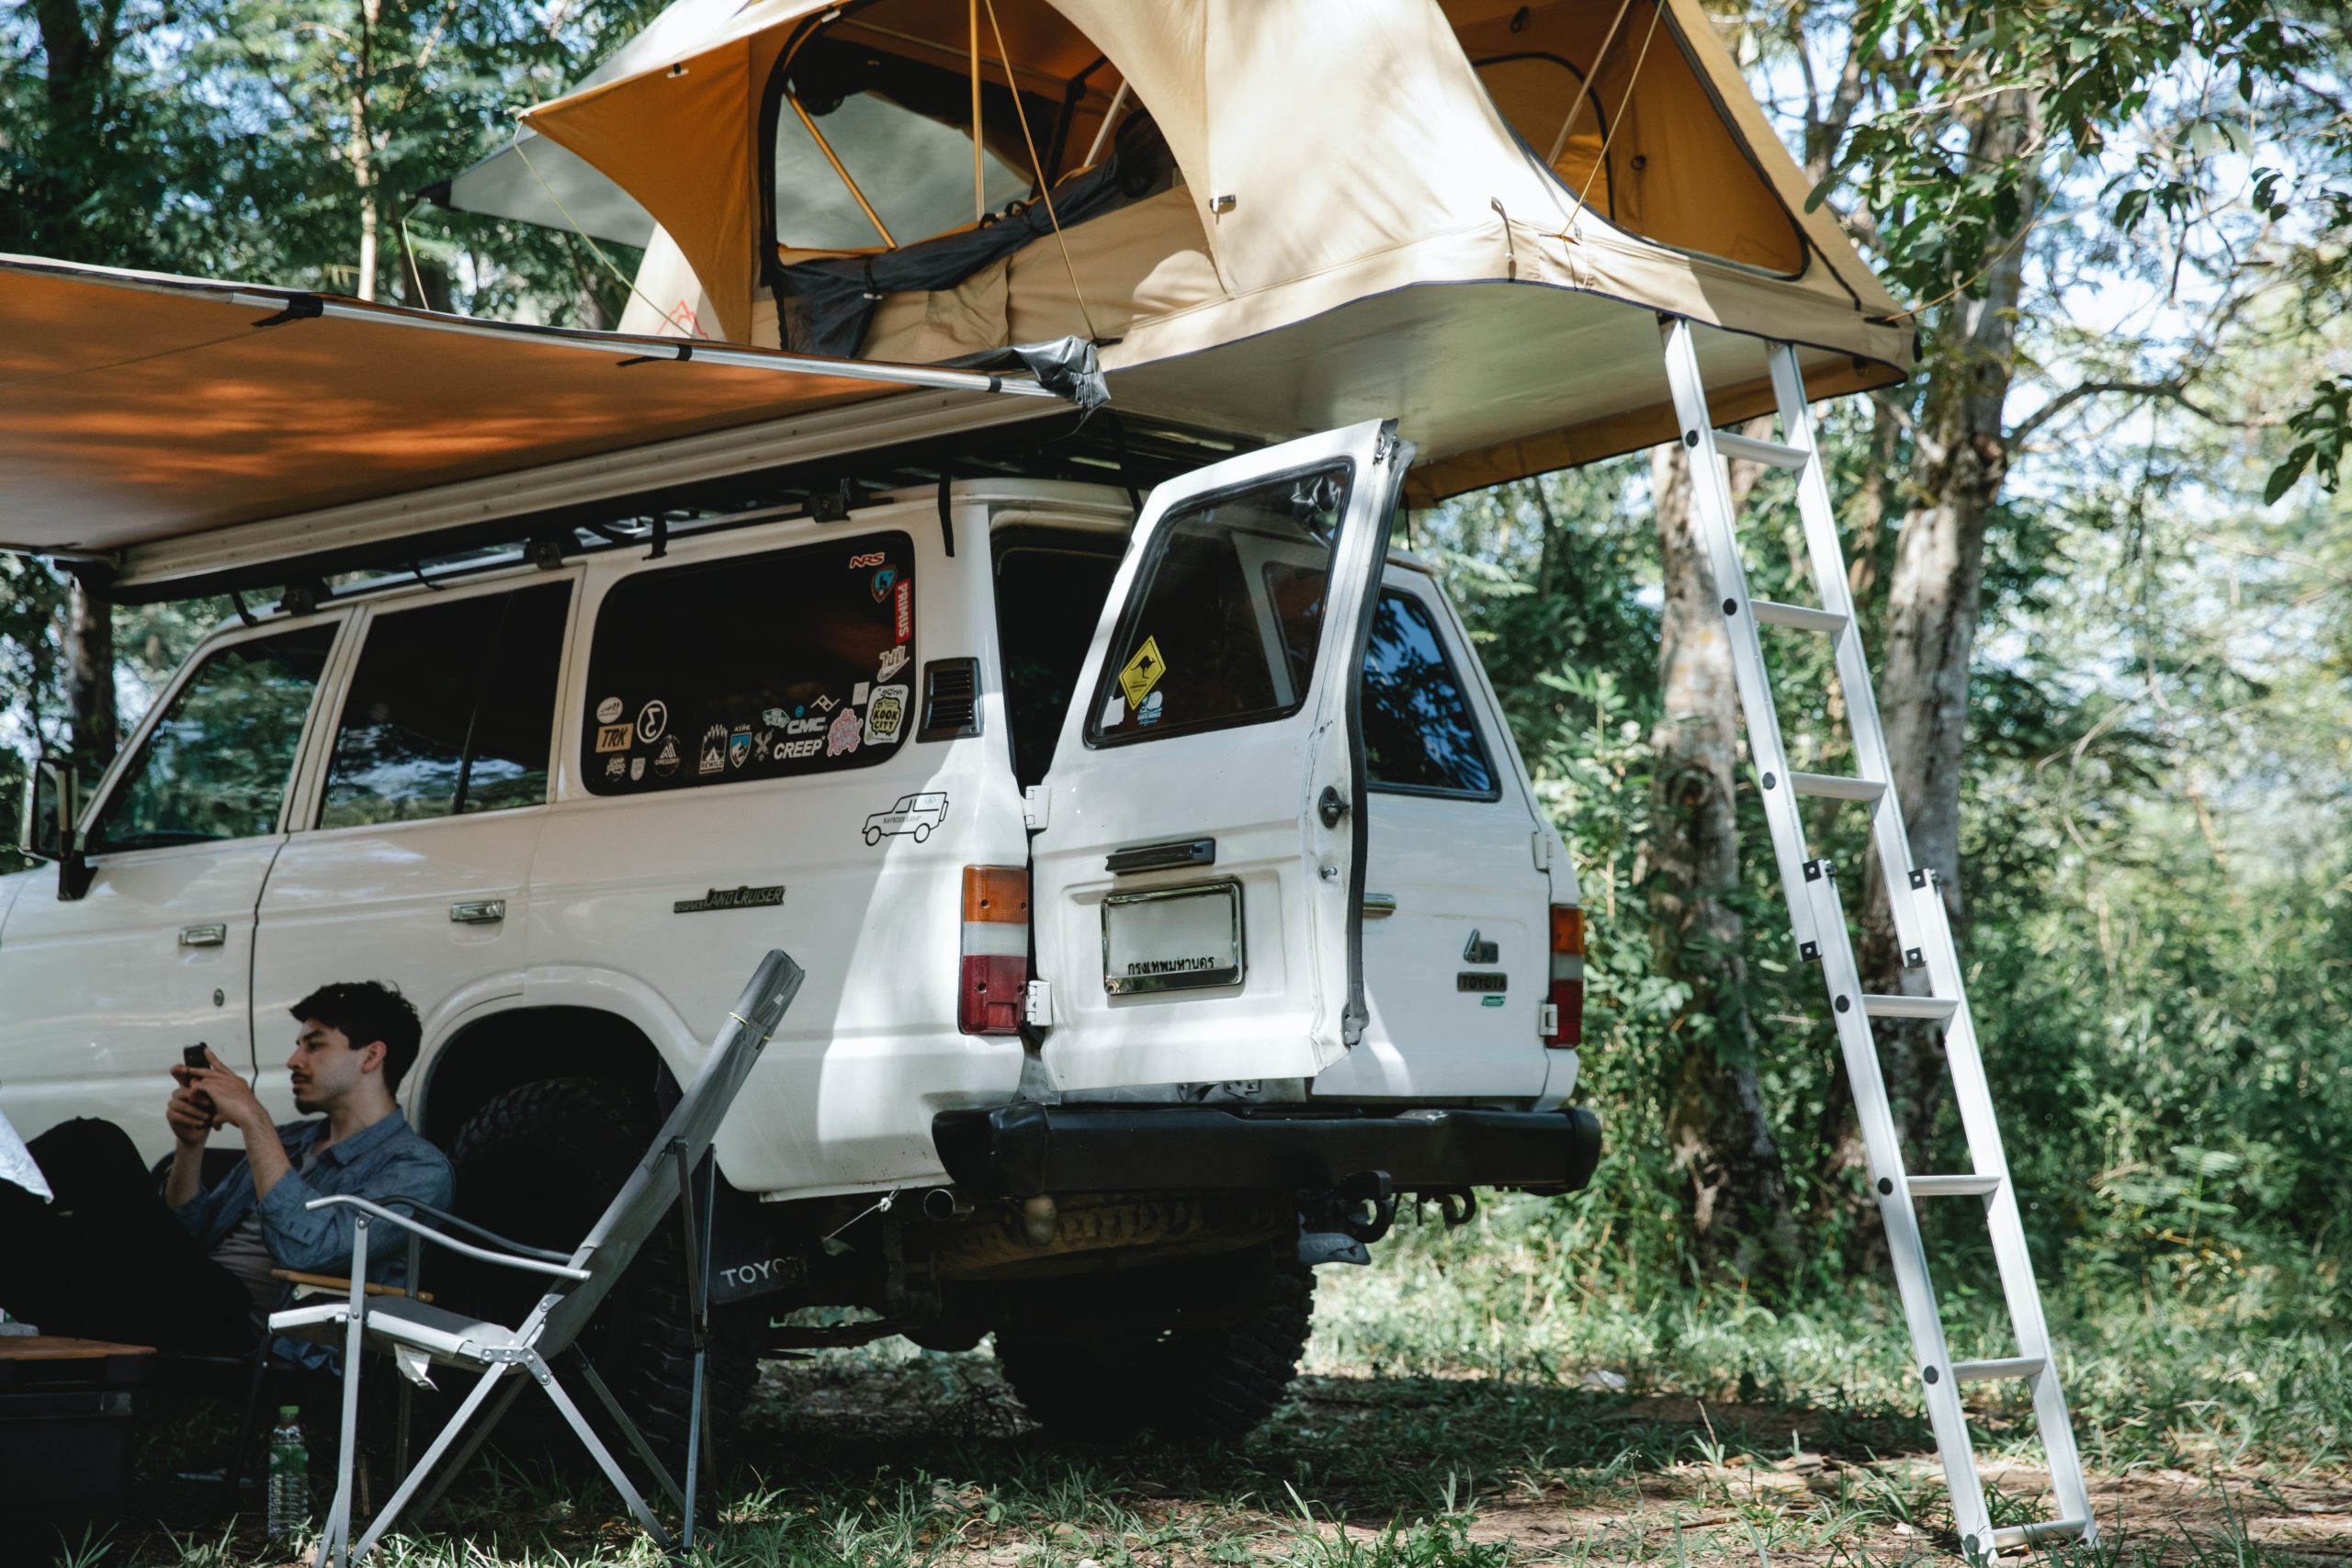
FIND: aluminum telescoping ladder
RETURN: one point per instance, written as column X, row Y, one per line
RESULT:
column 1923, row 933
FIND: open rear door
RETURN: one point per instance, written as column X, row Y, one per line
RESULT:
column 1199, row 876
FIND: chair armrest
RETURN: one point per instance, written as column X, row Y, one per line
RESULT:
column 447, row 1221
column 331, row 1282
column 483, row 1255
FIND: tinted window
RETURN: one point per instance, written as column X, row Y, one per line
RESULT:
column 451, row 710
column 215, row 765
column 754, row 667
column 1048, row 598
column 1417, row 732
column 1205, row 642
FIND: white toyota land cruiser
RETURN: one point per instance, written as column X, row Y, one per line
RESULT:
column 1171, row 894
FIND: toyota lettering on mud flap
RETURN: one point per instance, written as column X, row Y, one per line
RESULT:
column 916, row 815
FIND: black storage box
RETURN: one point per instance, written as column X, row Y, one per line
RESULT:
column 68, row 1409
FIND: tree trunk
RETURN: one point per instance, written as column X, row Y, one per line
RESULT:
column 89, row 679
column 361, row 147
column 1722, row 1141
column 1934, row 597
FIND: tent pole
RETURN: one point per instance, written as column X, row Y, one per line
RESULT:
column 1102, row 132
column 980, row 180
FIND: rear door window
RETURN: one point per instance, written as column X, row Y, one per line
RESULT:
column 1420, row 737
column 754, row 667
column 451, row 711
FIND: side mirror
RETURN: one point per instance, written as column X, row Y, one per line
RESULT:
column 51, row 806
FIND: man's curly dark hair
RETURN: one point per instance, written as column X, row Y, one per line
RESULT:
column 367, row 1011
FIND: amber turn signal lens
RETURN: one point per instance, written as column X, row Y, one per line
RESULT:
column 1568, row 929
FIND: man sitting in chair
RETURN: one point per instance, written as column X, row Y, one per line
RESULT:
column 191, row 1271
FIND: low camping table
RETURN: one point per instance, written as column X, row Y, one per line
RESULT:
column 67, row 1410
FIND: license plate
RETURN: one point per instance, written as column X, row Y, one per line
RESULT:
column 1172, row 939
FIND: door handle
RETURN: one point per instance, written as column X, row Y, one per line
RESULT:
column 1379, row 906
column 204, row 936
column 478, row 912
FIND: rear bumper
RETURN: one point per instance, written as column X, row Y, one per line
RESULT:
column 1027, row 1150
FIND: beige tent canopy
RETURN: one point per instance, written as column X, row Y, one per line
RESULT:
column 1463, row 212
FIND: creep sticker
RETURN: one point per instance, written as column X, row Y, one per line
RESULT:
column 885, row 716
column 1142, row 672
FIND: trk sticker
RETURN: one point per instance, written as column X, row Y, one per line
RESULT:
column 893, row 660
column 887, row 715
column 651, row 720
column 636, row 769
column 883, row 582
column 666, row 762
column 906, row 612
column 1142, row 672
column 612, row 737
column 714, row 750
column 872, row 557
column 845, row 733
column 739, row 745
column 609, row 710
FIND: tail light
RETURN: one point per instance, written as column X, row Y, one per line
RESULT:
column 1564, row 1011
column 995, row 975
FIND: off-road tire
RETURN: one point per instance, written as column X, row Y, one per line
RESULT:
column 1185, row 1386
column 538, row 1163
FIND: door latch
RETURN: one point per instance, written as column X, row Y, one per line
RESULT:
column 1331, row 806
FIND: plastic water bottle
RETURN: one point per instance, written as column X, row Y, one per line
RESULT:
column 289, row 1475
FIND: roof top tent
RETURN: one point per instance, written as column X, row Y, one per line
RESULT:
column 1274, row 215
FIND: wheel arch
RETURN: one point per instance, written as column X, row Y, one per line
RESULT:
column 491, row 1054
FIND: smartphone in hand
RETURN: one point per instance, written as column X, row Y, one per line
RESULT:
column 199, row 1058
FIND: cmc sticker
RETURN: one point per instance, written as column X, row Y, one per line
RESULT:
column 885, row 716
column 609, row 710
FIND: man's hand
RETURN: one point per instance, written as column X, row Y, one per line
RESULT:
column 233, row 1104
column 191, row 1122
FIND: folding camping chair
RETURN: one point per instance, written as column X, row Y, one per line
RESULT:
column 415, row 1332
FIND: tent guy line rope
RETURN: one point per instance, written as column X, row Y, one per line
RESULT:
column 1600, row 160
column 1584, row 87
column 1045, row 191
column 627, row 282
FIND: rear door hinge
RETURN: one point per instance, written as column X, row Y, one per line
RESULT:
column 1037, row 1005
column 1036, row 807
column 1542, row 849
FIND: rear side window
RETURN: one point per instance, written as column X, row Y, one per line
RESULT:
column 754, row 667
column 1418, row 735
column 215, row 765
column 1208, row 640
column 451, row 711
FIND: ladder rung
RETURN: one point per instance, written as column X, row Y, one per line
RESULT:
column 2005, row 1536
column 1773, row 612
column 2006, row 1367
column 1836, row 786
column 1749, row 449
column 1881, row 1006
column 1954, row 1186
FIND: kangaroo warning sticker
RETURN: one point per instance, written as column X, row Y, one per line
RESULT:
column 1141, row 673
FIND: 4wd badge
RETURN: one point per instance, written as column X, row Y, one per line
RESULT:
column 1142, row 672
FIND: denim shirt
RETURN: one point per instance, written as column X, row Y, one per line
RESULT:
column 384, row 1161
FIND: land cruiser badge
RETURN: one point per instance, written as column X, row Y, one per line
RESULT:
column 730, row 898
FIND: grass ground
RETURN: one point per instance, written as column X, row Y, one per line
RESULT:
column 1466, row 1405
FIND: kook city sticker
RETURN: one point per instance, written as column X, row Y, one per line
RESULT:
column 739, row 745
column 883, row 581
column 893, row 660
column 609, row 710
column 651, row 720
column 714, row 750
column 886, row 717
column 666, row 762
column 844, row 734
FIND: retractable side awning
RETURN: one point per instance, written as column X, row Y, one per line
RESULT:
column 169, row 426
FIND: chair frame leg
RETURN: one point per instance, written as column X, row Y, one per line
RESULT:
column 440, row 1445
column 334, row 1545
column 455, row 1464
column 600, row 1454
column 628, row 1429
